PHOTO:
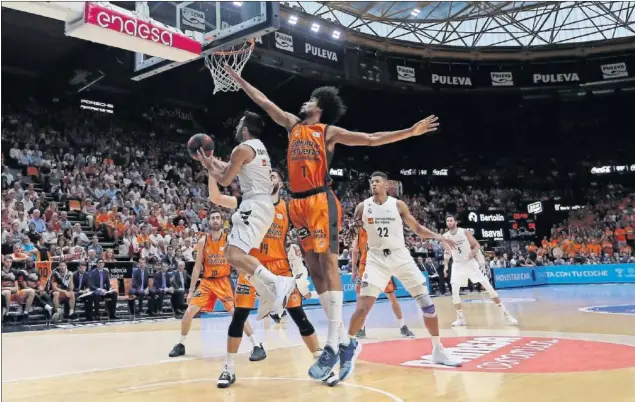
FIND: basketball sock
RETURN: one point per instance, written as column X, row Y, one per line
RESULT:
column 317, row 353
column 459, row 314
column 48, row 308
column 230, row 362
column 332, row 302
column 436, row 341
column 182, row 342
column 265, row 275
column 401, row 322
column 253, row 340
column 345, row 339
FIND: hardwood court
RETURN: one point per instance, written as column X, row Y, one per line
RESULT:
column 558, row 353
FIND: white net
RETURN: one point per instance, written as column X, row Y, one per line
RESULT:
column 236, row 57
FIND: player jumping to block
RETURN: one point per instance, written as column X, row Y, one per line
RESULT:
column 314, row 209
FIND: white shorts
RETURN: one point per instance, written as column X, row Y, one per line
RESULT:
column 251, row 221
column 462, row 271
column 380, row 269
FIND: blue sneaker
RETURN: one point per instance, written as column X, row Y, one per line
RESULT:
column 348, row 355
column 323, row 366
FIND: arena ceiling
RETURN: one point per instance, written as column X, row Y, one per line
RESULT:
column 477, row 24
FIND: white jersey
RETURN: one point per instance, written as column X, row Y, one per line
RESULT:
column 255, row 177
column 383, row 225
column 460, row 253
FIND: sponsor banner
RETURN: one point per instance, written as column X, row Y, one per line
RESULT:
column 563, row 275
column 306, row 47
column 349, row 292
column 451, row 76
column 559, row 74
column 513, row 277
column 610, row 169
column 614, row 70
column 193, row 20
column 402, row 72
column 485, row 225
column 534, row 207
column 613, row 273
column 502, row 78
column 425, row 172
column 503, row 299
column 496, row 354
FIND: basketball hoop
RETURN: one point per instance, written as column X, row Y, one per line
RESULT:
column 236, row 57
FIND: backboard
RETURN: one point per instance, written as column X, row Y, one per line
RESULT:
column 216, row 24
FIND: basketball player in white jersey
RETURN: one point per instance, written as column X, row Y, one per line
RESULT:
column 250, row 223
column 466, row 266
column 383, row 217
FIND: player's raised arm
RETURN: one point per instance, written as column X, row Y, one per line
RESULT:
column 285, row 119
column 338, row 135
column 224, row 176
column 419, row 229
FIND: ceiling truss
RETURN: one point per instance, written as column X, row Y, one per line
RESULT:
column 481, row 24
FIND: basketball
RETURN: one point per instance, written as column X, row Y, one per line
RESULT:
column 199, row 141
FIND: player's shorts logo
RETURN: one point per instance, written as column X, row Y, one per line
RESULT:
column 364, row 284
column 303, row 233
column 243, row 289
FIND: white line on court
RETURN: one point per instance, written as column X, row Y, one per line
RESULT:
column 393, row 397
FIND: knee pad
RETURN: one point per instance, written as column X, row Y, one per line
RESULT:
column 238, row 322
column 456, row 297
column 427, row 306
column 299, row 317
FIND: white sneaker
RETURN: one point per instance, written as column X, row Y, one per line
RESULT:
column 440, row 356
column 265, row 305
column 285, row 285
column 460, row 322
column 509, row 319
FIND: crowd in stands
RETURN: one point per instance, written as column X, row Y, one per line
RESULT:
column 91, row 189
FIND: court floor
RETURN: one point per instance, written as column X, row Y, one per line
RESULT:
column 560, row 352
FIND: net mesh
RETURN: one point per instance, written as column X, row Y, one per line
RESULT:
column 236, row 57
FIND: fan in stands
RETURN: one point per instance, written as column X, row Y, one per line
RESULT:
column 200, row 141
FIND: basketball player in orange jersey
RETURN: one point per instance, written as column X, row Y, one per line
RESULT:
column 314, row 210
column 215, row 285
column 360, row 245
column 273, row 255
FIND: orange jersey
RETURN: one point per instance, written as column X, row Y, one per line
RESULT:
column 273, row 245
column 362, row 244
column 215, row 264
column 308, row 159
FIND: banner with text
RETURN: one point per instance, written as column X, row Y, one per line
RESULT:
column 313, row 49
column 457, row 76
column 563, row 275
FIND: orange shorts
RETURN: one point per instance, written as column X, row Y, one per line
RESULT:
column 390, row 288
column 246, row 293
column 212, row 289
column 19, row 297
column 317, row 219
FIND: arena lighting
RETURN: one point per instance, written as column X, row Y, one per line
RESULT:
column 293, row 20
column 415, row 12
column 237, row 3
column 336, row 34
column 315, row 27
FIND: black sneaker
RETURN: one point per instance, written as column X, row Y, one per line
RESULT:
column 177, row 350
column 258, row 354
column 275, row 318
column 406, row 332
column 361, row 334
column 226, row 379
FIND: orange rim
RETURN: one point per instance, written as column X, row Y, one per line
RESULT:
column 251, row 42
